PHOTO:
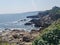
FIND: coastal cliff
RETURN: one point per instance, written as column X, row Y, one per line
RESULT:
column 45, row 18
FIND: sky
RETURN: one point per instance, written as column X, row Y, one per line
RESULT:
column 20, row 6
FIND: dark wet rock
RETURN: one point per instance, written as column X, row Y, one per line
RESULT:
column 26, row 39
column 29, row 23
column 22, row 20
column 33, row 16
column 36, row 22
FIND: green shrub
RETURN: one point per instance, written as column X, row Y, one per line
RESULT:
column 52, row 37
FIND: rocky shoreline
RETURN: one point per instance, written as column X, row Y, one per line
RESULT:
column 20, row 37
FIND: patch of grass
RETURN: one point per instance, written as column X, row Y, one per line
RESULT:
column 6, row 43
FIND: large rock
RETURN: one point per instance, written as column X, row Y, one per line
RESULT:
column 26, row 39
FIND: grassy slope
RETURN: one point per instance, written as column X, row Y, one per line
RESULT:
column 54, row 25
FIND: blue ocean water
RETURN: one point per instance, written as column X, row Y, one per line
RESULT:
column 15, row 20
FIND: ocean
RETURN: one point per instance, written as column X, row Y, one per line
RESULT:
column 16, row 21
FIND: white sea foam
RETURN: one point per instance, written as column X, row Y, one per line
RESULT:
column 13, row 21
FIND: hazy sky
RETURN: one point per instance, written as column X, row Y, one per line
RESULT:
column 19, row 6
